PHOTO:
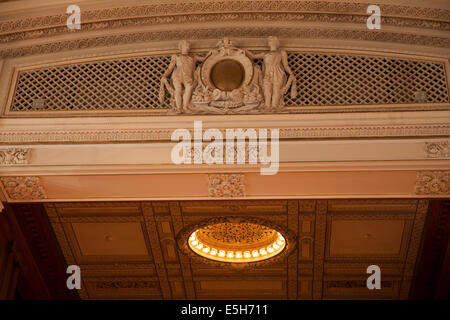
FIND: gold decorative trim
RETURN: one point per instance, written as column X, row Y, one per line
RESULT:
column 183, row 236
column 413, row 249
column 319, row 248
column 239, row 242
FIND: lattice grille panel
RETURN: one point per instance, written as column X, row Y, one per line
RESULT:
column 126, row 84
column 332, row 79
column 322, row 80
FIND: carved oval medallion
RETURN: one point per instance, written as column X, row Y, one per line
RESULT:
column 227, row 75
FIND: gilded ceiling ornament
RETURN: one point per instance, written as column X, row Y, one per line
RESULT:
column 433, row 183
column 14, row 156
column 236, row 242
column 226, row 185
column 24, row 188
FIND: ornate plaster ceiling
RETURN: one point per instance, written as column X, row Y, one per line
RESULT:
column 129, row 249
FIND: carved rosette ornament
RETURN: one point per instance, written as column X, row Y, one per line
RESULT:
column 227, row 80
column 440, row 149
column 24, row 188
column 226, row 185
column 433, row 183
column 14, row 156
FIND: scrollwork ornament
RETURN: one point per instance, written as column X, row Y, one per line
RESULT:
column 14, row 156
column 433, row 183
column 439, row 149
column 226, row 185
column 24, row 188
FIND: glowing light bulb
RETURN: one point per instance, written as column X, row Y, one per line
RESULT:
column 275, row 246
column 255, row 253
column 279, row 242
column 213, row 252
column 238, row 254
column 194, row 243
column 200, row 245
column 269, row 249
column 221, row 253
column 263, row 251
column 206, row 249
column 247, row 254
column 230, row 254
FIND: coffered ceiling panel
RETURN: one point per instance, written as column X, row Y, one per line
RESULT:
column 134, row 249
column 110, row 238
column 356, row 237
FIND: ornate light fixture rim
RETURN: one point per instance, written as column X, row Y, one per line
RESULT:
column 289, row 238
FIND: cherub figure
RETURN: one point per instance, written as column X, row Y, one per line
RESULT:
column 182, row 81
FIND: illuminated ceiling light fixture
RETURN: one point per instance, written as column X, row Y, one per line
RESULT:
column 238, row 242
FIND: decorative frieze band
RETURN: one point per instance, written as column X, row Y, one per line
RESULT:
column 433, row 183
column 172, row 10
column 227, row 185
column 108, row 135
column 226, row 17
column 216, row 33
column 23, row 188
column 14, row 156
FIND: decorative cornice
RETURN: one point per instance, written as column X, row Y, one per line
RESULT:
column 19, row 35
column 216, row 33
column 14, row 156
column 23, row 188
column 128, row 135
column 251, row 7
column 226, row 185
column 440, row 149
column 433, row 183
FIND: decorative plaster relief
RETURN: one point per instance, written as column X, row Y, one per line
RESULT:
column 14, row 156
column 24, row 188
column 228, row 80
column 440, row 149
column 433, row 183
column 226, row 185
